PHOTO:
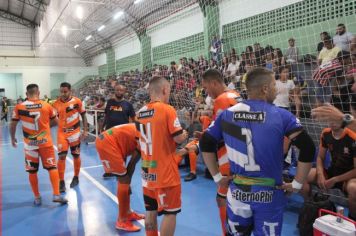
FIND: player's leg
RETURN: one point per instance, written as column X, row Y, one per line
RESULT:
column 221, row 197
column 74, row 143
column 306, row 189
column 63, row 146
column 239, row 217
column 351, row 191
column 49, row 163
column 31, row 165
column 151, row 206
column 193, row 156
column 169, row 200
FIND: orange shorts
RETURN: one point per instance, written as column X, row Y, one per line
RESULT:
column 66, row 140
column 32, row 158
column 111, row 157
column 164, row 200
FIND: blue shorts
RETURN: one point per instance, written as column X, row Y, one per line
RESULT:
column 255, row 209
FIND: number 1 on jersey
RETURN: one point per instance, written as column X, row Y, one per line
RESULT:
column 251, row 165
column 146, row 145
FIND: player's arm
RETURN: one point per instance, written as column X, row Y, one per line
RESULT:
column 208, row 145
column 135, row 157
column 53, row 119
column 132, row 114
column 320, row 165
column 181, row 137
column 85, row 124
column 304, row 143
column 13, row 126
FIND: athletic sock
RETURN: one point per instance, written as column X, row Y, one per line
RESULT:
column 34, row 184
column 124, row 200
column 193, row 162
column 54, row 177
column 222, row 212
column 61, row 165
column 77, row 164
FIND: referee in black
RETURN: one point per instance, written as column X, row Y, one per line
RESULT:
column 118, row 111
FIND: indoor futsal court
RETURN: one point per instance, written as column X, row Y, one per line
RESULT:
column 178, row 117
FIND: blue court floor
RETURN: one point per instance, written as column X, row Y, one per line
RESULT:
column 92, row 208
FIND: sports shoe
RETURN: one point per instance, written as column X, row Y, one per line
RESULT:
column 135, row 216
column 190, row 177
column 75, row 182
column 108, row 175
column 62, row 186
column 37, row 201
column 59, row 199
column 127, row 226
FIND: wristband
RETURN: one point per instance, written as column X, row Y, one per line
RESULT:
column 217, row 177
column 296, row 185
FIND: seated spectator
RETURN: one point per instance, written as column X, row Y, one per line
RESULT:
column 259, row 53
column 321, row 44
column 329, row 52
column 278, row 59
column 286, row 90
column 342, row 38
column 224, row 65
column 292, row 53
column 233, row 68
column 341, row 173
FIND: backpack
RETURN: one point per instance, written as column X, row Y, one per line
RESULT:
column 309, row 212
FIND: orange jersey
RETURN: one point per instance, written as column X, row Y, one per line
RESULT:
column 35, row 116
column 224, row 101
column 68, row 114
column 205, row 121
column 158, row 124
column 122, row 137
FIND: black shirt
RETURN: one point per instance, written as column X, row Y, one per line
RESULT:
column 118, row 113
column 342, row 150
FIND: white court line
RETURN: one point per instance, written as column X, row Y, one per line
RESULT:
column 90, row 167
column 99, row 185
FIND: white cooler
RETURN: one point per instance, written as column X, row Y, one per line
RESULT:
column 327, row 225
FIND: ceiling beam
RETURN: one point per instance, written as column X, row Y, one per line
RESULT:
column 41, row 5
column 15, row 18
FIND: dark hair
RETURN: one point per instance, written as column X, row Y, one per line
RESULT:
column 31, row 87
column 343, row 55
column 256, row 77
column 324, row 33
column 341, row 25
column 102, row 99
column 65, row 85
column 281, row 68
column 213, row 74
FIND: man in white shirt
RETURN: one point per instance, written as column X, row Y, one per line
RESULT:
column 342, row 38
column 233, row 68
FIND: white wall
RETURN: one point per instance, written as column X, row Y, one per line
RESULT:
column 180, row 25
column 41, row 74
column 127, row 47
column 99, row 60
column 234, row 10
column 12, row 83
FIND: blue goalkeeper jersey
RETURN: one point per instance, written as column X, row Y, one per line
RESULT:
column 253, row 132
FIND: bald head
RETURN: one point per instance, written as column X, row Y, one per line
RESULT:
column 159, row 89
column 120, row 91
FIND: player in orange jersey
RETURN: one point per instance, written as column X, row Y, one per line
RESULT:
column 36, row 117
column 214, row 85
column 68, row 109
column 160, row 130
column 113, row 146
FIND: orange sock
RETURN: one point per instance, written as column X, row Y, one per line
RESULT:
column 54, row 177
column 124, row 200
column 193, row 162
column 222, row 212
column 61, row 165
column 151, row 233
column 77, row 164
column 178, row 159
column 34, row 183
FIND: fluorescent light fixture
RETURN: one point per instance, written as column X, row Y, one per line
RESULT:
column 118, row 15
column 88, row 37
column 101, row 28
column 75, row 46
column 64, row 30
column 137, row 1
column 79, row 12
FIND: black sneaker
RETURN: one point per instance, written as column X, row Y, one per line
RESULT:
column 75, row 182
column 59, row 199
column 108, row 175
column 190, row 177
column 62, row 186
